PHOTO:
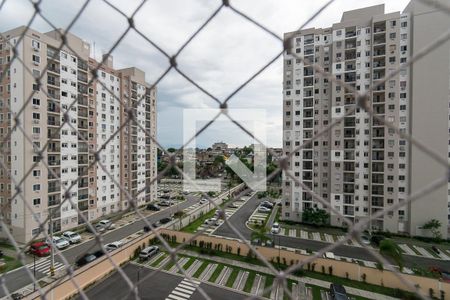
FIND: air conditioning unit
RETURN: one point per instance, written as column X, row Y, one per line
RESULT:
column 35, row 48
column 36, row 63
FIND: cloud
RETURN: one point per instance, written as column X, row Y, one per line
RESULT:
column 224, row 54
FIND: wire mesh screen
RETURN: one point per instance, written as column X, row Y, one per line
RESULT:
column 285, row 45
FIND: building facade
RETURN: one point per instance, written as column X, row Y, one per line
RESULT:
column 57, row 171
column 360, row 166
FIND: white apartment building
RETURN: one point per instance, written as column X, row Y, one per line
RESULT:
column 360, row 166
column 56, row 171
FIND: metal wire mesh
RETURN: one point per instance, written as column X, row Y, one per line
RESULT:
column 354, row 229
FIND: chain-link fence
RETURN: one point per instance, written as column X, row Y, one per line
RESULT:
column 362, row 102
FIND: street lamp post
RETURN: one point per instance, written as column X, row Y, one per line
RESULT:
column 34, row 272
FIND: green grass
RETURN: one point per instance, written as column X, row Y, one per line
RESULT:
column 7, row 246
column 289, row 287
column 158, row 261
column 316, row 293
column 232, row 277
column 216, row 273
column 169, row 265
column 249, row 283
column 268, row 286
column 11, row 264
column 188, row 264
column 200, row 269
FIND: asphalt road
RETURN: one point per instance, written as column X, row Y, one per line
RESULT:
column 19, row 278
column 239, row 218
column 115, row 287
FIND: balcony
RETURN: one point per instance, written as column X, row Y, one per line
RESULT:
column 54, row 68
column 379, row 27
column 378, row 144
column 82, row 65
column 377, row 201
column 377, row 167
column 349, row 144
column 350, row 34
column 378, row 133
column 349, row 155
column 54, row 187
column 53, row 82
column 378, row 178
column 378, row 155
column 309, row 41
column 349, row 133
column 350, row 178
column 350, row 45
column 349, row 188
column 52, row 54
column 377, row 190
column 379, row 40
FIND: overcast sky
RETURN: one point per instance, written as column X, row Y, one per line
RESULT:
column 226, row 53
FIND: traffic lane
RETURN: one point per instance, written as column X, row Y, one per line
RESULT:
column 238, row 220
column 17, row 279
column 76, row 251
column 115, row 287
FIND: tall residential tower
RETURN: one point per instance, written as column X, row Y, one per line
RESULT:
column 360, row 166
column 94, row 114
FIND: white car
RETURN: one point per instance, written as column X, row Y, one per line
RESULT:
column 113, row 246
column 107, row 224
column 72, row 237
column 275, row 228
column 263, row 209
column 212, row 221
column 203, row 201
column 59, row 242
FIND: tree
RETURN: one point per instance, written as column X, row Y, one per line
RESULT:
column 434, row 226
column 171, row 150
column 390, row 249
column 315, row 216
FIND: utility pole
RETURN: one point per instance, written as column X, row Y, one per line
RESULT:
column 52, row 246
column 34, row 272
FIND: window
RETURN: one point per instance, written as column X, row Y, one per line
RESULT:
column 404, row 24
column 36, row 101
column 36, row 173
column 35, row 44
column 36, row 58
column 36, row 187
column 339, row 32
column 36, row 116
column 36, row 201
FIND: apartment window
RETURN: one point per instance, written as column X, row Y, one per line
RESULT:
column 36, row 101
column 392, row 59
column 393, row 23
column 36, row 201
column 36, row 116
column 36, row 187
column 35, row 44
column 339, row 32
column 404, row 24
column 36, row 58
column 36, row 173
column 64, row 68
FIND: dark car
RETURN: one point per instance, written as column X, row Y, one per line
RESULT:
column 153, row 207
column 165, row 220
column 85, row 259
column 337, row 292
column 435, row 249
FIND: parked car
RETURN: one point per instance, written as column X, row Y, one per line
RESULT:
column 59, row 242
column 337, row 292
column 212, row 221
column 153, row 207
column 203, row 201
column 275, row 228
column 263, row 209
column 107, row 224
column 85, row 259
column 148, row 252
column 365, row 239
column 40, row 249
column 98, row 228
column 71, row 237
column 164, row 203
column 435, row 249
column 1, row 254
column 376, row 239
column 233, row 205
column 165, row 220
column 267, row 204
column 113, row 246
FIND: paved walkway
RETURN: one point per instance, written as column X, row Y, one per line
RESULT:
column 266, row 270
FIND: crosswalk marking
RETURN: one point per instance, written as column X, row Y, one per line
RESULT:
column 183, row 290
column 43, row 266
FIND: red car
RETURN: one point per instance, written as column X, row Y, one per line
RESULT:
column 40, row 249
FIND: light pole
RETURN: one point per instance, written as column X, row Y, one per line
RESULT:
column 52, row 250
column 34, row 272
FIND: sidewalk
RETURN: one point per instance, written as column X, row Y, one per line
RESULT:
column 262, row 269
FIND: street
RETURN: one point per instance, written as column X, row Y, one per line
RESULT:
column 239, row 218
column 19, row 278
